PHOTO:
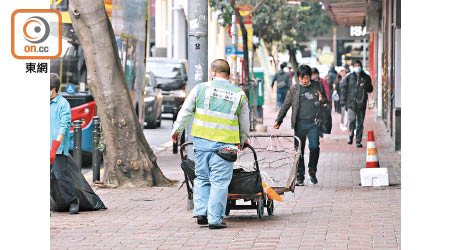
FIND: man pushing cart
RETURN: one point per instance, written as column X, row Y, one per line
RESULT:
column 220, row 126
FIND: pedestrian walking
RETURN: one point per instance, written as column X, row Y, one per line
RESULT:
column 220, row 126
column 305, row 99
column 354, row 91
column 291, row 74
column 337, row 89
column 332, row 75
column 60, row 118
column 315, row 77
column 283, row 83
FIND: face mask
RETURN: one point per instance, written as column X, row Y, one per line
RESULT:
column 51, row 93
column 315, row 78
column 285, row 69
column 357, row 69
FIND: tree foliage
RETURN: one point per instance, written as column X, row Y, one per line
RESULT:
column 278, row 22
column 319, row 23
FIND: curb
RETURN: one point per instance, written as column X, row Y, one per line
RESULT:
column 156, row 150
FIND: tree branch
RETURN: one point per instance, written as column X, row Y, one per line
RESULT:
column 256, row 6
column 233, row 2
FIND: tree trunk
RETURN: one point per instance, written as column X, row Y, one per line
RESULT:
column 293, row 60
column 129, row 161
column 275, row 55
column 245, row 44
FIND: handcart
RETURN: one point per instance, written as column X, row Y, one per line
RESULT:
column 277, row 167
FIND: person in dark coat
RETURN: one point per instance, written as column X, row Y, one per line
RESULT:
column 305, row 99
column 283, row 83
column 332, row 74
column 337, row 90
column 354, row 97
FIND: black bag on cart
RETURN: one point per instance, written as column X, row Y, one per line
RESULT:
column 88, row 200
column 245, row 182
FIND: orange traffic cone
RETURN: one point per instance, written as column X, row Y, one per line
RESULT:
column 372, row 156
column 271, row 193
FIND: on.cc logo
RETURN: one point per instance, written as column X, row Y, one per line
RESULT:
column 36, row 34
column 36, row 29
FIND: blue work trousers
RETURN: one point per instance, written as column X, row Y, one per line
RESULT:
column 213, row 175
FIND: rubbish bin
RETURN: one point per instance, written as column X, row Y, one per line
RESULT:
column 259, row 75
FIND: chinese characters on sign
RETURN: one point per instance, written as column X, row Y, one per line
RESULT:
column 32, row 67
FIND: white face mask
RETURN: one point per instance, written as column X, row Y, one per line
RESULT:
column 51, row 93
column 315, row 78
column 357, row 69
column 285, row 69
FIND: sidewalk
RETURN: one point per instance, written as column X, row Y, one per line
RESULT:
column 337, row 213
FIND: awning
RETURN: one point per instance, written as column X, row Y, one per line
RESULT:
column 345, row 12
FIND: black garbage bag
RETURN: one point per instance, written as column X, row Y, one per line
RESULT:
column 245, row 182
column 88, row 200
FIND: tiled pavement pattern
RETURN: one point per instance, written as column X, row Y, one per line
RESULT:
column 335, row 214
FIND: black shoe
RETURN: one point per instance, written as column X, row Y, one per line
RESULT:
column 358, row 145
column 300, row 182
column 350, row 140
column 74, row 207
column 202, row 220
column 313, row 179
column 217, row 226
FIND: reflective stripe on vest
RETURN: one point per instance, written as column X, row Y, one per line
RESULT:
column 216, row 112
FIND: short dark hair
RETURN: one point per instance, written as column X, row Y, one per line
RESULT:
column 314, row 71
column 54, row 82
column 304, row 70
column 283, row 65
column 220, row 66
column 357, row 62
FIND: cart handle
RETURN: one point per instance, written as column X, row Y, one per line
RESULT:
column 278, row 135
column 245, row 146
column 182, row 148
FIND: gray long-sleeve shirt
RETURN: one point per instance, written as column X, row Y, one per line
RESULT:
column 188, row 109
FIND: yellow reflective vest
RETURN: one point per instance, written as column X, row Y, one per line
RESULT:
column 216, row 112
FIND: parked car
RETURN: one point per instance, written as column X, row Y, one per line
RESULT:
column 153, row 102
column 171, row 77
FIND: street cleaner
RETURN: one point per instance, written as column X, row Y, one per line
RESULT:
column 69, row 190
column 60, row 118
column 220, row 127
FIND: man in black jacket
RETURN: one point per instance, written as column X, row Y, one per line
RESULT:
column 332, row 74
column 354, row 97
column 283, row 83
column 305, row 99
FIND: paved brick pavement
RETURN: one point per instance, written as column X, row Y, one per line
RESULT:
column 335, row 214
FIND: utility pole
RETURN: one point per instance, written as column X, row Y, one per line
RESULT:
column 170, row 33
column 197, row 50
column 234, row 42
column 197, row 56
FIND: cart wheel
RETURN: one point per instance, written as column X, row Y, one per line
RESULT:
column 227, row 210
column 260, row 208
column 269, row 207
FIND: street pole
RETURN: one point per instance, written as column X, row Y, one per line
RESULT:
column 364, row 54
column 149, row 23
column 334, row 47
column 170, row 33
column 234, row 41
column 96, row 154
column 77, row 157
column 197, row 55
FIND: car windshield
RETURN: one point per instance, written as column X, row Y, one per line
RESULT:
column 165, row 69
